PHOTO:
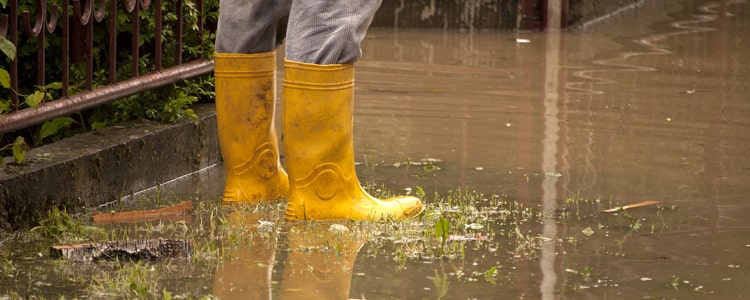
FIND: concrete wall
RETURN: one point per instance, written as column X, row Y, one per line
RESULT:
column 97, row 167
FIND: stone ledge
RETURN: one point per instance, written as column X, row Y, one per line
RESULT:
column 100, row 166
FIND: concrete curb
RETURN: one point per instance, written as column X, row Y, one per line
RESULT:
column 97, row 167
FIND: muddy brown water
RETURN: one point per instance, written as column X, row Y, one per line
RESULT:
column 651, row 104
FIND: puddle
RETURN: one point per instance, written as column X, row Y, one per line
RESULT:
column 538, row 135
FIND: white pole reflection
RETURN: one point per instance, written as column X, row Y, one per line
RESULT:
column 550, row 149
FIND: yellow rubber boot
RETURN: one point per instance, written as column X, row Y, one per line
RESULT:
column 245, row 105
column 317, row 126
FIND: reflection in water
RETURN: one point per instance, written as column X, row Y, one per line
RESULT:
column 704, row 126
column 550, row 145
column 247, row 273
column 648, row 105
column 629, row 104
column 320, row 261
column 316, row 259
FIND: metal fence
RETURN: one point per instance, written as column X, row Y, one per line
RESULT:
column 74, row 22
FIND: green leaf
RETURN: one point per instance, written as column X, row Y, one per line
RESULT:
column 52, row 127
column 4, row 78
column 430, row 168
column 166, row 295
column 54, row 86
column 8, row 48
column 588, row 231
column 442, row 229
column 490, row 275
column 34, row 99
column 491, row 271
column 420, row 193
column 19, row 149
column 4, row 106
column 98, row 124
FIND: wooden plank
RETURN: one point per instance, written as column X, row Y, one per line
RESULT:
column 152, row 249
column 631, row 206
column 175, row 212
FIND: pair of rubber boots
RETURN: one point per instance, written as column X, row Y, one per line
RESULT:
column 317, row 125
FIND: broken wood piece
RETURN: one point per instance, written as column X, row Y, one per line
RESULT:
column 172, row 212
column 631, row 206
column 153, row 249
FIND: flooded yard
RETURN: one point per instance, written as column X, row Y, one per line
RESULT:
column 516, row 142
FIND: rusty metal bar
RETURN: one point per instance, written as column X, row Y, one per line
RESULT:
column 85, row 15
column 38, row 31
column 90, row 99
column 136, row 21
column 14, row 63
column 65, row 49
column 112, row 64
column 178, row 32
column 157, row 35
column 85, row 19
column 201, row 15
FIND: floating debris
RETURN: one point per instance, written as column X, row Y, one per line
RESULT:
column 338, row 228
column 265, row 226
column 153, row 249
column 180, row 211
column 631, row 206
column 467, row 237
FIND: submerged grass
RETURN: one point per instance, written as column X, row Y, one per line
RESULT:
column 466, row 235
column 135, row 280
column 453, row 221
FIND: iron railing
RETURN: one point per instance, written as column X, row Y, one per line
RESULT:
column 85, row 15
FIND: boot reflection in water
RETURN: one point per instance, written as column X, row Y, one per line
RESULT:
column 320, row 261
column 250, row 254
column 318, row 265
column 322, row 43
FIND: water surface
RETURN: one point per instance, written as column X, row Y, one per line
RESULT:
column 651, row 104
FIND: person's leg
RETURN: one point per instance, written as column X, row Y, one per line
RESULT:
column 245, row 74
column 328, row 32
column 323, row 41
column 251, row 26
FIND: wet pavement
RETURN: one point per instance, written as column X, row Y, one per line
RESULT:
column 649, row 105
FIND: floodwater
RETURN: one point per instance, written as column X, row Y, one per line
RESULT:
column 651, row 104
